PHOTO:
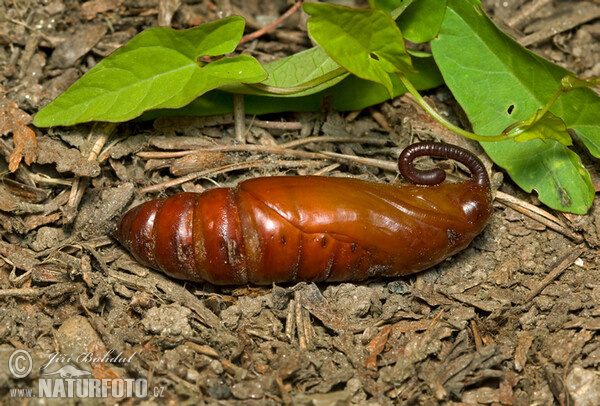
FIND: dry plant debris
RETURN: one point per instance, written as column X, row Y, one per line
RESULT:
column 513, row 320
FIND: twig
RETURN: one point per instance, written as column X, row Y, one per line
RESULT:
column 285, row 148
column 380, row 119
column 304, row 163
column 239, row 116
column 303, row 325
column 275, row 125
column 229, row 168
column 327, row 169
column 378, row 163
column 526, row 13
column 43, row 178
column 235, row 148
column 266, row 149
column 537, row 214
column 331, row 138
column 80, row 183
column 556, row 270
column 290, row 324
column 23, row 292
column 227, row 119
column 202, row 349
column 196, row 175
column 352, row 115
column 578, row 15
column 77, row 189
column 169, row 154
column 271, row 26
column 105, row 154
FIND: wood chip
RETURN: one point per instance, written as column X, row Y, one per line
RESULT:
column 523, row 346
column 376, row 345
column 311, row 298
column 557, row 269
column 578, row 15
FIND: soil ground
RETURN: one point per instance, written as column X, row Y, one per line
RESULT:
column 512, row 320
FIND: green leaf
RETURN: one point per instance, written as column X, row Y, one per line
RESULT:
column 546, row 127
column 365, row 42
column 356, row 94
column 421, row 21
column 570, row 82
column 158, row 68
column 552, row 168
column 498, row 82
column 351, row 93
column 300, row 74
column 393, row 7
column 395, row 13
column 389, row 5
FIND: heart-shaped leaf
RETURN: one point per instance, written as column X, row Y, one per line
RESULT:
column 498, row 82
column 159, row 68
column 367, row 43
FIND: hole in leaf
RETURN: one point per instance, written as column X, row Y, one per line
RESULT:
column 510, row 109
column 373, row 56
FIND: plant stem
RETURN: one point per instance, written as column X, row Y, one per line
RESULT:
column 547, row 106
column 443, row 121
column 304, row 86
